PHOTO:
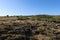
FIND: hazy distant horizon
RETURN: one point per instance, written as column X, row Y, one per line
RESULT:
column 31, row 15
column 29, row 7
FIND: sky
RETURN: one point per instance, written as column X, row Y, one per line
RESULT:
column 29, row 7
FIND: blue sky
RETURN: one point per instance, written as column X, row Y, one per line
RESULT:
column 29, row 7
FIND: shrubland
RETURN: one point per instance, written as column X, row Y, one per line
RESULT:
column 37, row 27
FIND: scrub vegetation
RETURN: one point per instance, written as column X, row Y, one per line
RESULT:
column 36, row 27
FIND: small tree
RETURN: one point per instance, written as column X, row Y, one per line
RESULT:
column 7, row 15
